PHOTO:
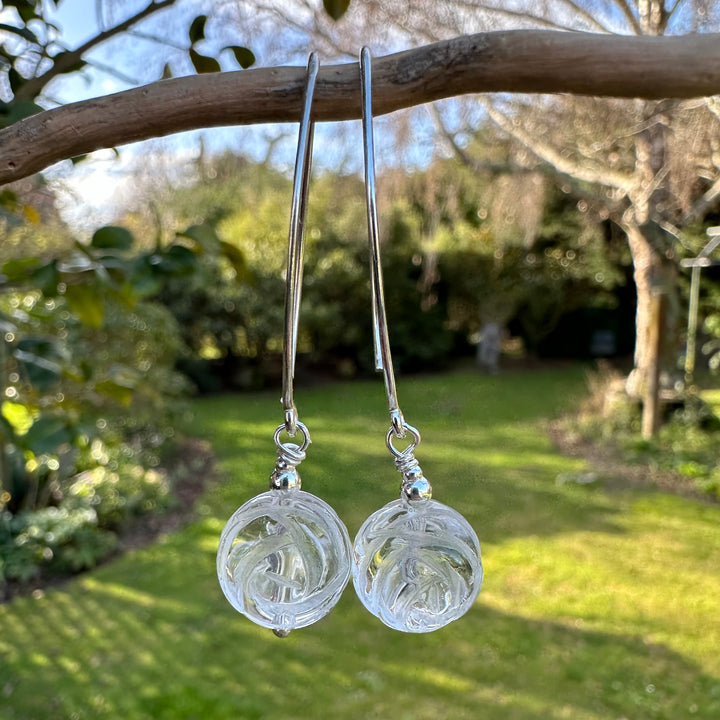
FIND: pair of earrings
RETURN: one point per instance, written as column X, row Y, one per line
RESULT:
column 285, row 556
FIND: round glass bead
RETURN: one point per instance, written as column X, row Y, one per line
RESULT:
column 284, row 559
column 416, row 565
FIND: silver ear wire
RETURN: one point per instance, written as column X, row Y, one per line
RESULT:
column 294, row 272
column 383, row 358
column 399, row 428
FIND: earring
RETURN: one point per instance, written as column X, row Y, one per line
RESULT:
column 416, row 562
column 284, row 556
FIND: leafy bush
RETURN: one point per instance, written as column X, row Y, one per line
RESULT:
column 336, row 313
column 449, row 268
column 52, row 537
column 118, row 495
column 131, row 359
column 91, row 393
column 230, row 311
column 80, row 530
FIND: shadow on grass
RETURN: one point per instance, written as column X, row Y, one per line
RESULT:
column 113, row 649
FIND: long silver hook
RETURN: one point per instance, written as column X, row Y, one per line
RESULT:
column 383, row 358
column 294, row 272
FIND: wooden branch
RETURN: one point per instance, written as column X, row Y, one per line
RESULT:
column 527, row 61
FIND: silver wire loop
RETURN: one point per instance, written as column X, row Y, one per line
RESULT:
column 383, row 359
column 294, row 272
column 292, row 453
column 410, row 449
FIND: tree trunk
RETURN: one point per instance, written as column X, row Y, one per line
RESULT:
column 654, row 284
column 651, row 398
column 650, row 246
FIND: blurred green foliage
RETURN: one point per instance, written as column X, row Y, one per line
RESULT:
column 89, row 397
column 448, row 267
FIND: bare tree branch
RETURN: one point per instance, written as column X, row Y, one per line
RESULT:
column 159, row 40
column 615, row 207
column 99, row 14
column 713, row 105
column 34, row 86
column 319, row 30
column 588, row 171
column 658, row 180
column 450, row 140
column 707, row 202
column 525, row 15
column 626, row 10
column 113, row 72
column 474, row 164
column 672, row 10
column 522, row 61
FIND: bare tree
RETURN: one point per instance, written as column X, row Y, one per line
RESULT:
column 652, row 167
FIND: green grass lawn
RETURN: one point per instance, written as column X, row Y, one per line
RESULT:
column 597, row 604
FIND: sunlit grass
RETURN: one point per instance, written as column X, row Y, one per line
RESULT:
column 596, row 605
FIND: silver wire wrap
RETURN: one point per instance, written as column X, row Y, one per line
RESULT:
column 402, row 457
column 294, row 272
column 415, row 486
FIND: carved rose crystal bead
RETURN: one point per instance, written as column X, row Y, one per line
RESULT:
column 416, row 565
column 284, row 559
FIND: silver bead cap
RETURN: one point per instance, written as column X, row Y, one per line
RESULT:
column 416, row 487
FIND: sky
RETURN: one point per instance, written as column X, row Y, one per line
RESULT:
column 91, row 192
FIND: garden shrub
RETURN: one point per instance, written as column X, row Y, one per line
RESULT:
column 91, row 399
column 52, row 537
column 118, row 495
column 81, row 530
column 685, row 444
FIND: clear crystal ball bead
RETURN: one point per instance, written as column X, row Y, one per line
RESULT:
column 284, row 559
column 416, row 565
